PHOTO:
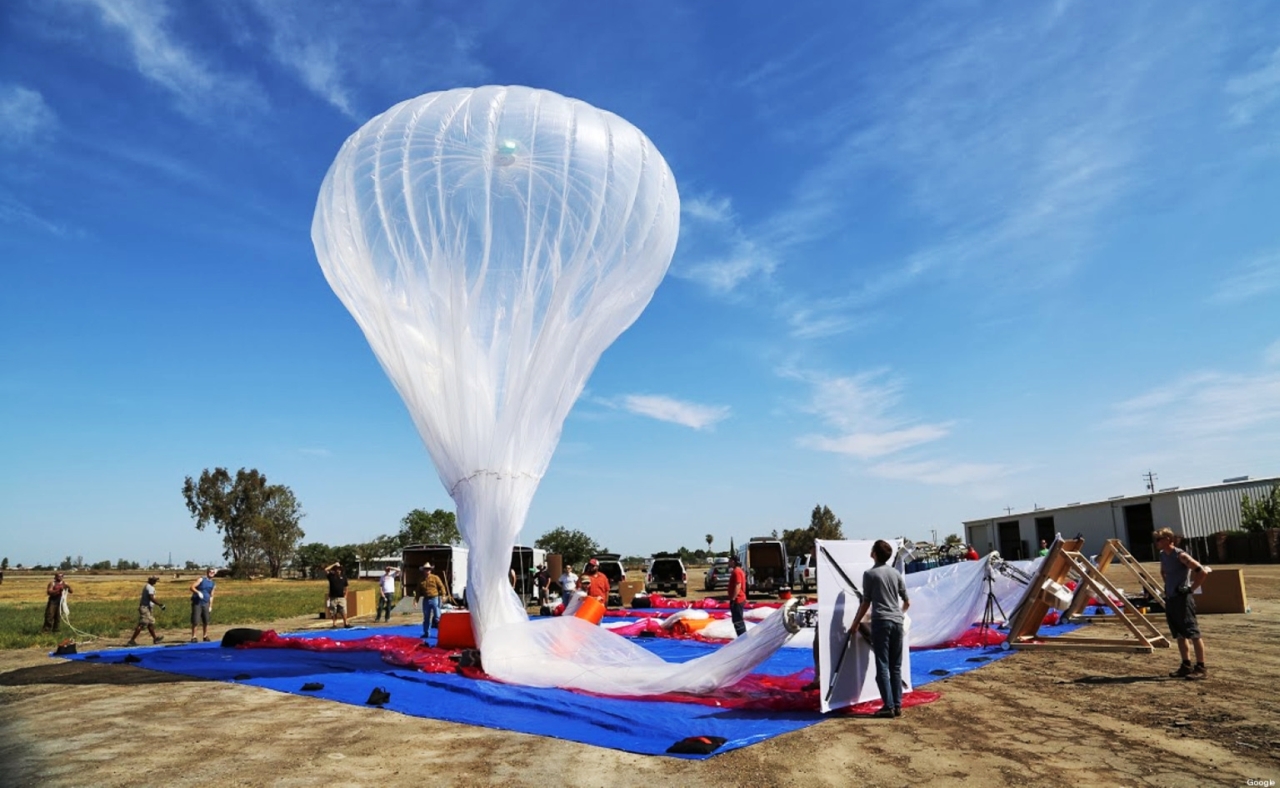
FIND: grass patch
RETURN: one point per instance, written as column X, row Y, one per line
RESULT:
column 106, row 606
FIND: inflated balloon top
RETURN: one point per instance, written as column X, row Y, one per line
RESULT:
column 491, row 243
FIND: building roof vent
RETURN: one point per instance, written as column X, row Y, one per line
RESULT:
column 1168, row 489
column 1115, row 497
column 1235, row 479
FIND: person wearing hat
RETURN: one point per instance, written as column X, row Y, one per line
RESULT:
column 433, row 593
column 337, row 594
column 386, row 593
column 53, row 607
column 202, row 603
column 737, row 595
column 145, row 616
column 598, row 585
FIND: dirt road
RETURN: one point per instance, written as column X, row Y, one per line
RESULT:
column 1043, row 718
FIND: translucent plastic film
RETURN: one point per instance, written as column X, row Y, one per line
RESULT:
column 569, row 652
column 491, row 243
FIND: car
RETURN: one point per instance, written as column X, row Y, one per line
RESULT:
column 666, row 574
column 717, row 576
column 804, row 575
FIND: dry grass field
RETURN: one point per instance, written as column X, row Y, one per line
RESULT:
column 1042, row 718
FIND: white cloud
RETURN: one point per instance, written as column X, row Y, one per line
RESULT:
column 859, row 409
column 716, row 210
column 687, row 414
column 316, row 452
column 1256, row 277
column 24, row 116
column 941, row 473
column 868, row 445
column 1205, row 405
column 1254, row 91
column 164, row 60
column 1271, row 356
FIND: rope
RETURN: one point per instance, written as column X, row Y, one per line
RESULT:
column 65, row 612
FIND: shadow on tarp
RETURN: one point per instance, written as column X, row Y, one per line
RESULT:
column 640, row 726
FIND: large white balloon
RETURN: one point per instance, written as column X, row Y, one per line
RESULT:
column 491, row 243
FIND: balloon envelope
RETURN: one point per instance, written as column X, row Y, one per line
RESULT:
column 491, row 243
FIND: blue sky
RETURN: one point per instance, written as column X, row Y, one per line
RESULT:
column 935, row 260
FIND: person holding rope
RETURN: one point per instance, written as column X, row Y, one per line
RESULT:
column 884, row 593
column 53, row 607
column 737, row 595
column 146, row 618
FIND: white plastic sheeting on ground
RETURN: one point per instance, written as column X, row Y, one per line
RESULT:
column 569, row 652
column 947, row 600
column 491, row 243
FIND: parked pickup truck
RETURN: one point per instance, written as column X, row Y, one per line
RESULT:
column 804, row 575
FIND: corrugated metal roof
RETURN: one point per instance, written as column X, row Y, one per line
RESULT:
column 1252, row 486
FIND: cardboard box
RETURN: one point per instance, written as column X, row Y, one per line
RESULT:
column 628, row 589
column 1222, row 592
column 361, row 603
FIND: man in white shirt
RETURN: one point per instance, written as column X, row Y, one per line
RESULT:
column 568, row 584
column 386, row 593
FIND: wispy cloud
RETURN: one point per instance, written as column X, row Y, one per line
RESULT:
column 315, row 452
column 960, row 474
column 687, row 414
column 25, row 117
column 1256, row 277
column 860, row 411
column 1255, row 91
column 1271, row 356
column 1205, row 405
column 160, row 57
column 715, row 251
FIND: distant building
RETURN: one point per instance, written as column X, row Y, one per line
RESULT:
column 1189, row 511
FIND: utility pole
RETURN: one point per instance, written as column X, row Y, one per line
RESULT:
column 1151, row 480
column 1008, row 510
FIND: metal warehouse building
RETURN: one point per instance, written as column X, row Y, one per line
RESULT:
column 1190, row 511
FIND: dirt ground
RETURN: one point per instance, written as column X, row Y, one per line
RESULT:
column 1037, row 718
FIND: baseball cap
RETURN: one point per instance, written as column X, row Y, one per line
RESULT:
column 593, row 562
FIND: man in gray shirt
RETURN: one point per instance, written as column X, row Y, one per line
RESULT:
column 885, row 595
column 1182, row 576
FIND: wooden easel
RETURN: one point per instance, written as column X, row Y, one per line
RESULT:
column 1065, row 559
column 1114, row 549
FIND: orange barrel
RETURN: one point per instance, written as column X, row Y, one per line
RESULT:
column 591, row 609
column 688, row 626
column 455, row 630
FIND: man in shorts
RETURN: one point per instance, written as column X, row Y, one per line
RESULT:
column 1182, row 575
column 337, row 594
column 145, row 617
column 202, row 604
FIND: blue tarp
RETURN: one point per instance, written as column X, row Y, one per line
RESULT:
column 645, row 727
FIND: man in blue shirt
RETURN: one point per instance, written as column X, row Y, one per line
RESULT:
column 202, row 604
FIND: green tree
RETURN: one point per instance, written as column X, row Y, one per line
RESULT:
column 276, row 532
column 709, row 539
column 101, row 566
column 423, row 527
column 311, row 559
column 4, row 565
column 233, row 506
column 1262, row 514
column 953, row 540
column 823, row 524
column 191, row 566
column 66, row 564
column 574, row 546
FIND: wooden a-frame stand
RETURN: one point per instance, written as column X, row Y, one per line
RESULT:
column 1065, row 559
column 1114, row 549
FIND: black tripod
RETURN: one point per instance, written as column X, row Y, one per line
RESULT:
column 993, row 604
